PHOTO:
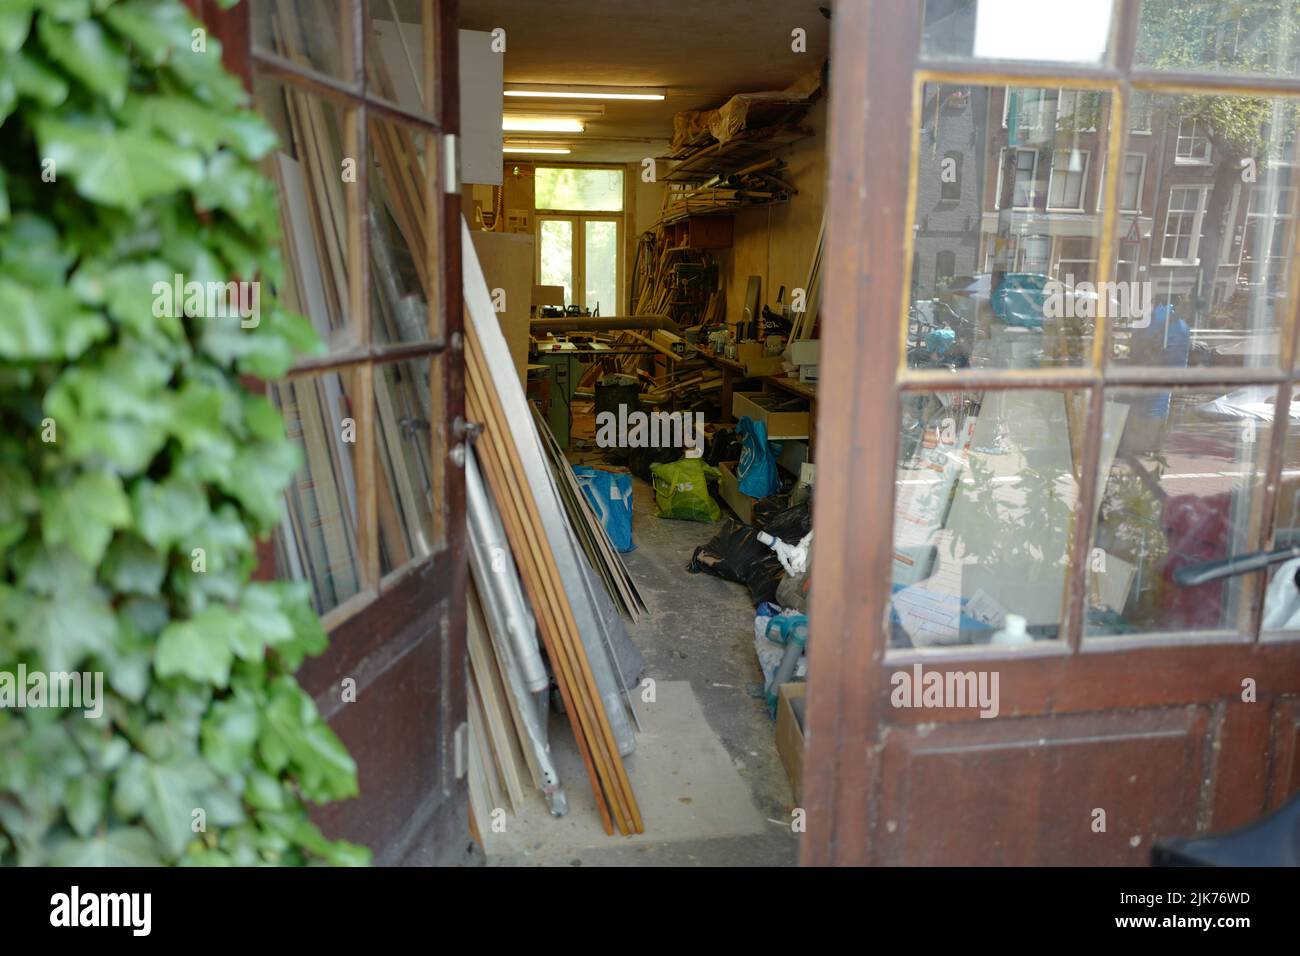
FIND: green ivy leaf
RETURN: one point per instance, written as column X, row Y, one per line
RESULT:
column 65, row 10
column 168, row 513
column 295, row 734
column 259, row 476
column 229, row 734
column 15, row 22
column 163, row 795
column 198, row 648
column 309, row 637
column 190, row 123
column 67, row 628
column 239, row 190
column 35, row 80
column 84, row 513
column 264, row 792
column 31, row 253
column 86, row 51
column 132, row 567
column 85, row 801
column 306, row 834
column 118, row 846
column 117, row 411
column 45, row 324
column 121, row 168
column 18, row 502
column 155, row 27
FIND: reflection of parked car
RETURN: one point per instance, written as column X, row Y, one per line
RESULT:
column 1018, row 300
column 1252, row 403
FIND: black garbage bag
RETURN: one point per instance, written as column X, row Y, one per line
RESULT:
column 765, row 508
column 789, row 525
column 736, row 554
column 725, row 445
column 639, row 460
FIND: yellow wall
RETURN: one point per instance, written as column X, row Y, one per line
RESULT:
column 777, row 242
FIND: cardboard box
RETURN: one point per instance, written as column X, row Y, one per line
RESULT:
column 758, row 406
column 790, row 733
column 753, row 355
column 729, row 489
column 805, row 352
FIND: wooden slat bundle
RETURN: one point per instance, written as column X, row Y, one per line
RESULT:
column 591, row 533
column 499, row 457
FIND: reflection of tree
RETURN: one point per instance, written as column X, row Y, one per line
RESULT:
column 1191, row 35
column 1015, row 518
column 1130, row 526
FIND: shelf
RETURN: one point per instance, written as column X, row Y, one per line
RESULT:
column 704, row 162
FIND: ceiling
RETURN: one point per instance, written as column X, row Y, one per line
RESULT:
column 700, row 51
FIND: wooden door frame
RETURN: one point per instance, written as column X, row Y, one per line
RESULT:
column 874, row 57
column 390, row 635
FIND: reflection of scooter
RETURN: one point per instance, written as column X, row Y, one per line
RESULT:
column 941, row 339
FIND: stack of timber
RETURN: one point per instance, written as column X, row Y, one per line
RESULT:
column 549, row 560
column 805, row 322
column 676, row 281
column 755, row 184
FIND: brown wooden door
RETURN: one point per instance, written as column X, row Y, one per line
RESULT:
column 1042, row 460
column 366, row 108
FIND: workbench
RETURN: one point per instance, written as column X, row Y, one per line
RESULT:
column 731, row 370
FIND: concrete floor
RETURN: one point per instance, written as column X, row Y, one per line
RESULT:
column 710, row 785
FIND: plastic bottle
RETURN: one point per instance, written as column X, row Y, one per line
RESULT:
column 1015, row 630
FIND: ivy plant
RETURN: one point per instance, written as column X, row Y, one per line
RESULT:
column 136, row 469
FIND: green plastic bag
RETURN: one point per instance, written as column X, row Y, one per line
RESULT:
column 682, row 490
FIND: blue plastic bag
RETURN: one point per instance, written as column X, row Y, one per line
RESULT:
column 610, row 496
column 757, row 473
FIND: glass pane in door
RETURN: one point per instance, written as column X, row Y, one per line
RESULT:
column 1006, row 227
column 600, row 266
column 557, row 255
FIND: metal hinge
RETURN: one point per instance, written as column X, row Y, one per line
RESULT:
column 460, row 747
column 450, row 163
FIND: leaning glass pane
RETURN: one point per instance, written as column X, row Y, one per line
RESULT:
column 317, row 541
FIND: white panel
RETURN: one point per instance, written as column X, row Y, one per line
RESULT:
column 481, row 93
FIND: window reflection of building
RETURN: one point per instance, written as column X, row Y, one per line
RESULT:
column 1013, row 179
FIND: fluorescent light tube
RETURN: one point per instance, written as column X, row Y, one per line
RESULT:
column 586, row 92
column 553, row 150
column 526, row 124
